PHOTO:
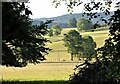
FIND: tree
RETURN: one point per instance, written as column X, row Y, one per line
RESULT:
column 73, row 40
column 84, row 24
column 72, row 22
column 109, row 53
column 89, row 46
column 106, row 68
column 22, row 43
column 56, row 29
column 50, row 33
column 79, row 46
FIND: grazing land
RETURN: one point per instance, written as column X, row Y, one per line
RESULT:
column 59, row 52
column 43, row 71
column 48, row 70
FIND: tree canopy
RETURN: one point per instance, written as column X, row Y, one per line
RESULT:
column 22, row 43
column 56, row 29
column 50, row 32
column 84, row 24
column 72, row 40
column 89, row 46
column 78, row 46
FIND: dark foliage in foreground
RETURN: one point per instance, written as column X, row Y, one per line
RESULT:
column 91, row 74
column 22, row 43
column 106, row 68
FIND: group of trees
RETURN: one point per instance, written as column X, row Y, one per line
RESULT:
column 79, row 46
column 84, row 24
column 81, row 24
column 54, row 30
column 23, row 43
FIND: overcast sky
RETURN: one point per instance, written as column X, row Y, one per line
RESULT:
column 44, row 8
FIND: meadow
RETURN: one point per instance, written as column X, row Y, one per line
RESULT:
column 59, row 51
column 48, row 70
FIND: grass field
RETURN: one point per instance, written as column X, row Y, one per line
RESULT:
column 43, row 71
column 59, row 52
column 51, row 71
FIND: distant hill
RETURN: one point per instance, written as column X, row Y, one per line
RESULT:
column 63, row 20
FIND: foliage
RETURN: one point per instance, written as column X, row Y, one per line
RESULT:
column 72, row 22
column 108, row 55
column 89, row 46
column 50, row 33
column 84, row 24
column 73, row 41
column 22, row 43
column 79, row 46
column 90, row 73
column 56, row 29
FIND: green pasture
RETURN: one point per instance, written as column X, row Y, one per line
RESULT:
column 51, row 71
column 59, row 51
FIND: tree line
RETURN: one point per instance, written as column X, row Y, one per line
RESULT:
column 82, row 25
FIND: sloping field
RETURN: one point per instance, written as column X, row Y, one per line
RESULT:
column 52, row 71
column 59, row 52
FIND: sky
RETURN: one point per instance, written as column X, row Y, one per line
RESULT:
column 45, row 9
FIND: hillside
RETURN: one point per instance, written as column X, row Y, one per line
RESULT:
column 59, row 51
column 63, row 20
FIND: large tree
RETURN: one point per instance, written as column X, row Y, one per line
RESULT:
column 56, row 29
column 22, row 43
column 89, row 46
column 73, row 40
column 78, row 46
column 84, row 24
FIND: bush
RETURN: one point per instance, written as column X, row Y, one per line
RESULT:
column 91, row 74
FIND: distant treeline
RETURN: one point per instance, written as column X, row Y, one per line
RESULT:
column 63, row 20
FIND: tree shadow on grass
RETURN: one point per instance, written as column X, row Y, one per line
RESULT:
column 36, row 82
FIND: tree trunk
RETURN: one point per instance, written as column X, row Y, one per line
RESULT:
column 78, row 56
column 71, row 56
